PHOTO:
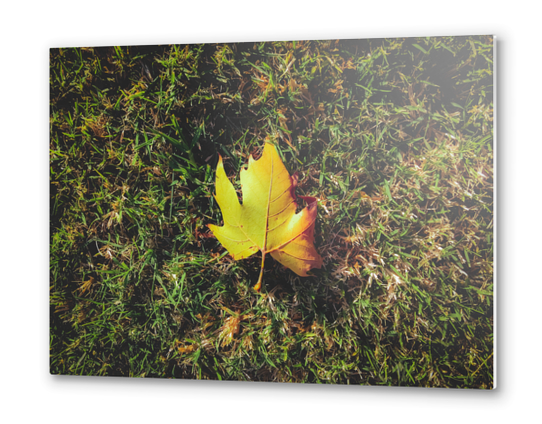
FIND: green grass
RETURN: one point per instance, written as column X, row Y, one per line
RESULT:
column 395, row 138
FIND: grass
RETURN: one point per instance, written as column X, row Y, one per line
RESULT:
column 395, row 138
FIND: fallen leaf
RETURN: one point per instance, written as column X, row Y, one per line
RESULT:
column 266, row 220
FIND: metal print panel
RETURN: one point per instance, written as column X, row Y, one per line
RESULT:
column 301, row 211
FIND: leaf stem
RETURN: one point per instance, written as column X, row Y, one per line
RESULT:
column 258, row 285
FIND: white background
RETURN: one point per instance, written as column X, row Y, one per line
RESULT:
column 29, row 30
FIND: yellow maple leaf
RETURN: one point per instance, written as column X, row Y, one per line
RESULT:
column 266, row 220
